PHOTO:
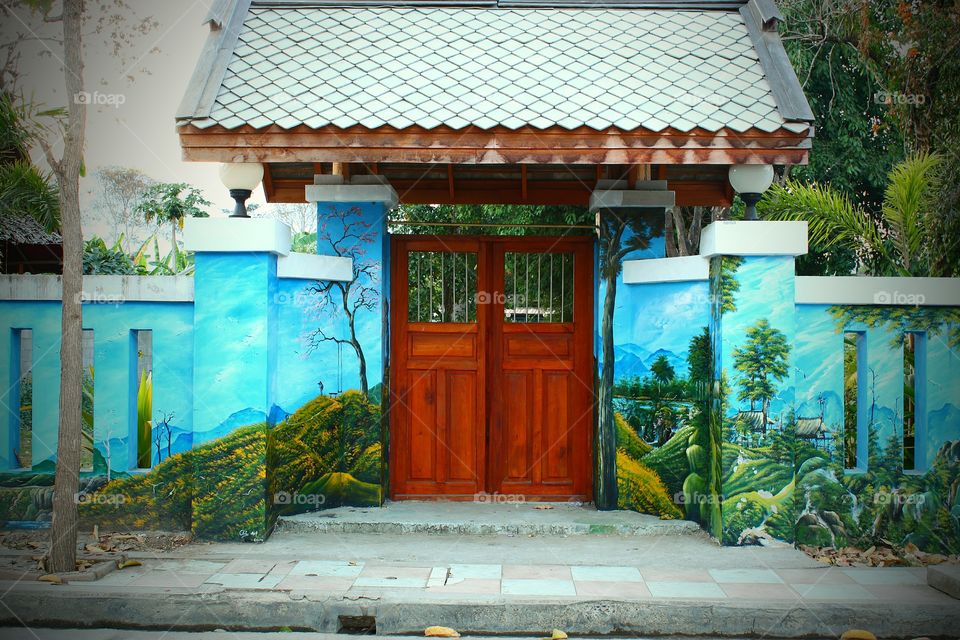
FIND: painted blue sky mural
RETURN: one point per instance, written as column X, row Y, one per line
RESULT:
column 657, row 319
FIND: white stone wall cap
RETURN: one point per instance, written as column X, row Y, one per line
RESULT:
column 678, row 269
column 308, row 266
column 352, row 193
column 99, row 289
column 866, row 290
column 754, row 238
column 241, row 235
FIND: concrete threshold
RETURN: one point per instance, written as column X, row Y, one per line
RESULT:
column 485, row 519
column 237, row 610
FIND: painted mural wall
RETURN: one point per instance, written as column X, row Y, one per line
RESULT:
column 268, row 389
column 654, row 351
column 815, row 405
column 110, row 425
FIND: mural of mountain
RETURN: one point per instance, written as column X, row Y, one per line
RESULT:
column 679, row 363
column 628, row 364
column 237, row 419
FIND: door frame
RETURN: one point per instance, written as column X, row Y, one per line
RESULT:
column 487, row 245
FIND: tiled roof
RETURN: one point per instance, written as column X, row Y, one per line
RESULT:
column 460, row 67
column 23, row 229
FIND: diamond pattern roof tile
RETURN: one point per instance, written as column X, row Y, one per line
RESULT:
column 458, row 67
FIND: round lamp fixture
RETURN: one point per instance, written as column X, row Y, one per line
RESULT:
column 241, row 178
column 750, row 181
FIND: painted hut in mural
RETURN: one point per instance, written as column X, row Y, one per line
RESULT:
column 572, row 366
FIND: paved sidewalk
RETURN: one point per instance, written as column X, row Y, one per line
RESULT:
column 585, row 584
column 516, row 581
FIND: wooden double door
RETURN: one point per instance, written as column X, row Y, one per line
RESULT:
column 492, row 369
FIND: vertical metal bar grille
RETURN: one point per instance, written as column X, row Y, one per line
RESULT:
column 449, row 291
column 537, row 289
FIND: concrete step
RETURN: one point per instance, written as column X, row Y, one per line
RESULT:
column 392, row 615
column 945, row 578
column 494, row 519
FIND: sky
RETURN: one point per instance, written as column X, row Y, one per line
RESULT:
column 143, row 87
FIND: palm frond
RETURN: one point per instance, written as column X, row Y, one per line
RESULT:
column 830, row 215
column 25, row 190
column 906, row 202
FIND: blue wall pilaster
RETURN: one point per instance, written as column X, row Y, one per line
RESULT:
column 235, row 356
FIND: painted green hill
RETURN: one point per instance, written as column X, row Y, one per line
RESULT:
column 628, row 440
column 217, row 488
column 761, row 473
column 326, row 437
column 670, row 461
column 639, row 488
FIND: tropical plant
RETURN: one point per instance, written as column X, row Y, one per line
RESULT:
column 896, row 244
column 25, row 190
column 170, row 203
column 86, row 421
column 144, row 419
column 99, row 259
column 662, row 370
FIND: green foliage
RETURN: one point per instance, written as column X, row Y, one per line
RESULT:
column 26, row 190
column 729, row 285
column 662, row 370
column 172, row 202
column 328, row 436
column 670, row 460
column 899, row 243
column 762, row 361
column 304, row 242
column 628, row 440
column 897, row 320
column 144, row 419
column 99, row 259
column 86, row 421
column 494, row 215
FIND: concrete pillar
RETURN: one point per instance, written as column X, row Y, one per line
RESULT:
column 631, row 226
column 235, row 371
column 752, row 329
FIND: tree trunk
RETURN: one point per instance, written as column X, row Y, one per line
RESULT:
column 63, row 544
column 606, row 479
column 670, row 240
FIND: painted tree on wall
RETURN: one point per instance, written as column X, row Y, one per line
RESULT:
column 762, row 361
column 347, row 234
column 621, row 233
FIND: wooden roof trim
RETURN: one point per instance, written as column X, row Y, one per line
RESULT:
column 495, row 146
column 189, row 129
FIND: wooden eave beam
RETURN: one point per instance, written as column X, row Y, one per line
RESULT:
column 494, row 146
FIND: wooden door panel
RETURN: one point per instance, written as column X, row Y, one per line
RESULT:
column 487, row 399
column 422, row 424
column 438, row 412
column 557, row 427
column 543, row 425
column 460, row 448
